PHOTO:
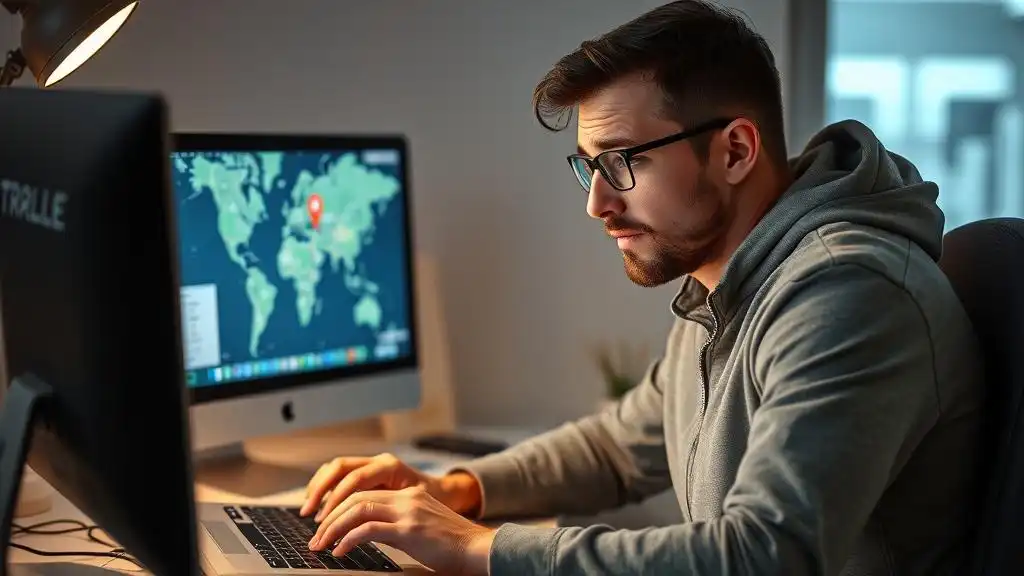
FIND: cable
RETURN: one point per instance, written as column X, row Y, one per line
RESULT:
column 38, row 529
column 78, row 526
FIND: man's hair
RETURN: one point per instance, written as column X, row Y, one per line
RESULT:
column 706, row 59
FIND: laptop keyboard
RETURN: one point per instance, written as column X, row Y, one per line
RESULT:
column 282, row 538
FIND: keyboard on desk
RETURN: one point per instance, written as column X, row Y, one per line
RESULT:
column 282, row 538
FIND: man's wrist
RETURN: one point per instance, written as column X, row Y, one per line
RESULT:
column 478, row 552
column 461, row 492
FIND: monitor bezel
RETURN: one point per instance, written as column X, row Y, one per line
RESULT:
column 294, row 142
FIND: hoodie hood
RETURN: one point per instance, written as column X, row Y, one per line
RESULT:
column 843, row 175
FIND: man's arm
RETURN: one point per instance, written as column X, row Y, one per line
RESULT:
column 597, row 463
column 847, row 375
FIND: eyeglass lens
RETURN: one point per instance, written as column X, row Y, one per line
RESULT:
column 614, row 168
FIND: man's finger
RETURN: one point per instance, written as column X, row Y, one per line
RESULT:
column 318, row 476
column 325, row 479
column 349, row 516
column 373, row 531
column 312, row 479
column 357, row 499
column 373, row 475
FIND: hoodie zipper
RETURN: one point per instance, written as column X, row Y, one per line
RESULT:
column 702, row 368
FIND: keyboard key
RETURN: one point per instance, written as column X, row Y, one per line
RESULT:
column 282, row 537
column 274, row 560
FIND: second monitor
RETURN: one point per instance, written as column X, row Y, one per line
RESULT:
column 297, row 281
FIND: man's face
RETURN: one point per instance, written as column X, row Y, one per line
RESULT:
column 674, row 218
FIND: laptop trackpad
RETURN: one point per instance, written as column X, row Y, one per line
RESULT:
column 225, row 538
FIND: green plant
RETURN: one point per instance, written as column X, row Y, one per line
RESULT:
column 621, row 366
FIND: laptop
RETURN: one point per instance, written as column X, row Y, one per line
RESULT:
column 237, row 540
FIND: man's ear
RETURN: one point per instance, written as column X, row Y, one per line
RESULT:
column 741, row 145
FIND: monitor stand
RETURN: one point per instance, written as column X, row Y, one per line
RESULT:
column 281, row 465
column 23, row 402
column 229, row 470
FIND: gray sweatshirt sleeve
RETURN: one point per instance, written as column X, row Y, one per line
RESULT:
column 594, row 464
column 846, row 370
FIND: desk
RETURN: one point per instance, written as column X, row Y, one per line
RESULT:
column 221, row 485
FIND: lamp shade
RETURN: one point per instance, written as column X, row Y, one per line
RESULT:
column 58, row 36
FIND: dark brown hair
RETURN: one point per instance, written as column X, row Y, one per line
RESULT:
column 706, row 59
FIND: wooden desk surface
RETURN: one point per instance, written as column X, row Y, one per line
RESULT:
column 230, row 482
column 62, row 509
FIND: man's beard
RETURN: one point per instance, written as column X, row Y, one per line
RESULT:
column 682, row 253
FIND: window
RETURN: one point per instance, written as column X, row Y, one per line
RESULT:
column 941, row 83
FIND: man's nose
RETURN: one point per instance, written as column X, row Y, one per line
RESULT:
column 604, row 200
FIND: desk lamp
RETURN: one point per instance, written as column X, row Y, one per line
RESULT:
column 58, row 36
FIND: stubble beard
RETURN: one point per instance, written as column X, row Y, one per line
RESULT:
column 670, row 263
column 675, row 256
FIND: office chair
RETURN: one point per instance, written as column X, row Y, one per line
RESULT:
column 984, row 261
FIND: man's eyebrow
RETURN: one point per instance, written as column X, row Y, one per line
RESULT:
column 610, row 143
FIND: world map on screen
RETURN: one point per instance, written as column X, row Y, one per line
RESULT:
column 291, row 254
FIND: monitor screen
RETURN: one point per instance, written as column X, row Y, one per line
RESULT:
column 295, row 260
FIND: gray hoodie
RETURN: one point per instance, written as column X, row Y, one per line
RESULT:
column 815, row 414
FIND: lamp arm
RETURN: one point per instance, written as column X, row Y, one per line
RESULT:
column 16, row 6
column 15, row 64
column 13, row 68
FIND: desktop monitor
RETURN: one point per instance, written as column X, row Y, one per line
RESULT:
column 296, row 281
column 91, row 349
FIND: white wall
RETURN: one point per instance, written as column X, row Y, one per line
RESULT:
column 529, row 280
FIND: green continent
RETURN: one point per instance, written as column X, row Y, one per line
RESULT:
column 300, row 262
column 262, row 294
column 349, row 194
column 228, row 178
column 351, row 197
column 237, row 215
column 272, row 163
column 368, row 312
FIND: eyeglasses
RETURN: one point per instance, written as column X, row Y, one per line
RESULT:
column 616, row 166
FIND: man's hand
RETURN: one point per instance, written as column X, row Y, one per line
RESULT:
column 410, row 520
column 340, row 478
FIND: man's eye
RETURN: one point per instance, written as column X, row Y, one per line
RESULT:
column 613, row 162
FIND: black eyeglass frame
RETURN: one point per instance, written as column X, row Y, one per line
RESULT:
column 627, row 153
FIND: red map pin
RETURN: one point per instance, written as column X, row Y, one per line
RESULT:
column 315, row 207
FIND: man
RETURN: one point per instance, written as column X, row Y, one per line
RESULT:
column 816, row 406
